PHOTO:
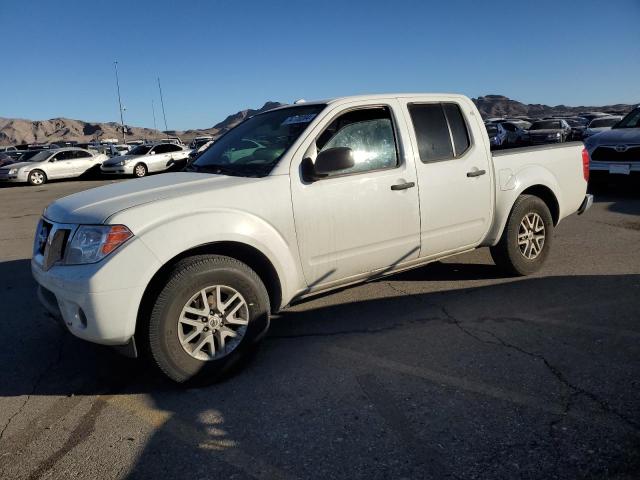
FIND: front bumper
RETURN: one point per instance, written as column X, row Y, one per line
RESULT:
column 15, row 177
column 98, row 302
column 126, row 169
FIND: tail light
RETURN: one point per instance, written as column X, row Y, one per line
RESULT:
column 585, row 164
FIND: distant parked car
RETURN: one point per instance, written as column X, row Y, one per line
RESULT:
column 199, row 150
column 601, row 124
column 591, row 115
column 516, row 133
column 616, row 151
column 145, row 159
column 174, row 140
column 497, row 134
column 578, row 126
column 549, row 131
column 5, row 159
column 199, row 141
column 113, row 150
column 39, row 167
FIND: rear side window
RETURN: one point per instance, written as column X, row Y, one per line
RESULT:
column 458, row 128
column 436, row 126
column 432, row 132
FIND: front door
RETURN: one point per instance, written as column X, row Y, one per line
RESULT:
column 60, row 165
column 353, row 223
column 454, row 176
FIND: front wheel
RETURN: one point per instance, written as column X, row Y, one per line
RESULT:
column 209, row 316
column 527, row 237
column 140, row 170
column 37, row 177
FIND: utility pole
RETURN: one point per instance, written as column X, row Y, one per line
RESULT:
column 153, row 109
column 162, row 103
column 115, row 64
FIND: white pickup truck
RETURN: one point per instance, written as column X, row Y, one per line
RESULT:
column 187, row 267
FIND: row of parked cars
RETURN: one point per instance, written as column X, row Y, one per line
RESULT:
column 613, row 141
column 40, row 163
column 517, row 132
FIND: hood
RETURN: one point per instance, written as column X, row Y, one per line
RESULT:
column 119, row 158
column 95, row 206
column 616, row 136
column 20, row 164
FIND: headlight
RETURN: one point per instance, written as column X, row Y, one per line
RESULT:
column 13, row 171
column 91, row 243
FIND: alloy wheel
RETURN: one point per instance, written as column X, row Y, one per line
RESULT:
column 531, row 236
column 213, row 322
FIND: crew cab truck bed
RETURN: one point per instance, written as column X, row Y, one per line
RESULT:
column 187, row 267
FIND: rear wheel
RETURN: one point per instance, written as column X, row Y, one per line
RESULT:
column 209, row 316
column 527, row 237
column 37, row 177
column 140, row 170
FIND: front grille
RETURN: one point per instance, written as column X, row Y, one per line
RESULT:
column 54, row 250
column 610, row 154
column 51, row 243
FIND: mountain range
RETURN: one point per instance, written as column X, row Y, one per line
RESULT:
column 19, row 131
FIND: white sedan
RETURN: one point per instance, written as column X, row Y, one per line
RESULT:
column 51, row 165
column 145, row 159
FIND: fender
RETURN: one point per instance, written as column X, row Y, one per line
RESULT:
column 510, row 187
column 225, row 225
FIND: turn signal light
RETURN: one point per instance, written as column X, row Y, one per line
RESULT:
column 117, row 235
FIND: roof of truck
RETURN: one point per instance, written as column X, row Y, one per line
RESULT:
column 377, row 96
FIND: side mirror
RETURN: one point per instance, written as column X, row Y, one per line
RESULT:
column 333, row 160
column 153, row 153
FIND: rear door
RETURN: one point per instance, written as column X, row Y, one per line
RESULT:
column 81, row 161
column 158, row 158
column 454, row 175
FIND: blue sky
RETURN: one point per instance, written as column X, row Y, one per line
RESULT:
column 217, row 57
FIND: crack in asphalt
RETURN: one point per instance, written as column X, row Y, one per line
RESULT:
column 35, row 386
column 356, row 331
column 575, row 390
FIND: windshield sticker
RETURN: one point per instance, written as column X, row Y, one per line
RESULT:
column 299, row 119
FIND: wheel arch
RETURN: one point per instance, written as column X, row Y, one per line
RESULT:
column 251, row 256
column 545, row 194
column 541, row 190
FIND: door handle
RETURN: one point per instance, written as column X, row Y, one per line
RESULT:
column 403, row 186
column 476, row 173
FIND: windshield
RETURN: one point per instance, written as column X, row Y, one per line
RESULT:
column 492, row 130
column 140, row 150
column 40, row 156
column 604, row 122
column 632, row 120
column 546, row 125
column 256, row 145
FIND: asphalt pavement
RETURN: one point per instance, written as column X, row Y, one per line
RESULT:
column 447, row 371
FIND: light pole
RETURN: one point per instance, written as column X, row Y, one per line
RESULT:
column 162, row 103
column 153, row 109
column 115, row 64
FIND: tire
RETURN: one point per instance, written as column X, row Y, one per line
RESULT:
column 508, row 254
column 140, row 170
column 37, row 177
column 171, row 326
